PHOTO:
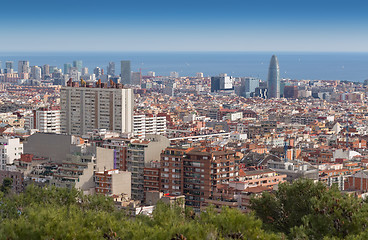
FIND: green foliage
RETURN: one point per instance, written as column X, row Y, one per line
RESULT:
column 308, row 210
column 285, row 209
column 6, row 187
column 336, row 215
column 56, row 213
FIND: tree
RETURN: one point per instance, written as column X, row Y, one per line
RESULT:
column 60, row 213
column 285, row 209
column 6, row 186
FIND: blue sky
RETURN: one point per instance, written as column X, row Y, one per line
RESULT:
column 202, row 25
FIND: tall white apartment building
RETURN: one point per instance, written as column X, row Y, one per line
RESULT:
column 10, row 149
column 84, row 109
column 45, row 120
column 149, row 124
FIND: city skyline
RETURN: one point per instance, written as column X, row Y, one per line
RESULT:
column 195, row 26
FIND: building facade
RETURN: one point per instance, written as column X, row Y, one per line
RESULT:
column 274, row 78
column 86, row 108
column 149, row 124
column 45, row 120
column 10, row 149
column 125, row 72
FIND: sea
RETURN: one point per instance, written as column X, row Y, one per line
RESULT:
column 293, row 65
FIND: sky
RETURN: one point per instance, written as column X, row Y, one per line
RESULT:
column 190, row 25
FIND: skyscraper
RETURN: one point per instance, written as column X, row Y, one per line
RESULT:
column 125, row 72
column 248, row 86
column 136, row 78
column 97, row 71
column 84, row 71
column 36, row 72
column 8, row 67
column 274, row 78
column 67, row 67
column 23, row 67
column 45, row 70
column 78, row 64
column 111, row 69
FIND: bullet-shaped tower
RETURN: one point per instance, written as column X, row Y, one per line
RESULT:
column 274, row 78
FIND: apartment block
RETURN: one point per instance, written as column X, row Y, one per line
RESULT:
column 86, row 108
column 78, row 169
column 10, row 150
column 172, row 171
column 152, row 177
column 149, row 124
column 113, row 182
column 120, row 147
column 45, row 120
column 140, row 153
column 204, row 169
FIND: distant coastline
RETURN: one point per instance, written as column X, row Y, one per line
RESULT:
column 348, row 66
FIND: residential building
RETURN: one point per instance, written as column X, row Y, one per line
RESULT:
column 113, row 182
column 78, row 169
column 140, row 153
column 86, row 108
column 111, row 69
column 45, row 120
column 23, row 67
column 204, row 169
column 10, row 150
column 149, row 124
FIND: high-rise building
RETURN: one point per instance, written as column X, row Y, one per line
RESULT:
column 222, row 82
column 78, row 64
column 140, row 153
column 9, row 66
column 67, row 67
column 97, row 71
column 52, row 69
column 36, row 72
column 11, row 149
column 111, row 69
column 23, row 67
column 45, row 70
column 45, row 120
column 84, row 109
column 196, row 172
column 274, row 78
column 136, row 78
column 125, row 72
column 74, row 74
column 84, row 71
column 149, row 124
column 248, row 86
